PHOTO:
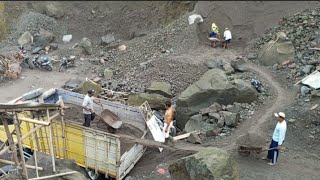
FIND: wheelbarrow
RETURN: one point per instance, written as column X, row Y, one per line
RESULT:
column 247, row 150
column 110, row 119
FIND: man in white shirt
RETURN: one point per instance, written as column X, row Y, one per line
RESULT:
column 278, row 137
column 227, row 38
column 87, row 105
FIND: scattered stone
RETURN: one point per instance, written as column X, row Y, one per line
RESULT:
column 67, row 38
column 214, row 115
column 87, row 46
column 194, row 138
column 304, row 90
column 54, row 46
column 25, row 38
column 97, row 80
column 214, row 64
column 307, row 69
column 251, row 139
column 314, row 107
column 54, row 10
column 213, row 132
column 108, row 73
column 291, row 120
column 315, row 93
column 161, row 88
column 122, row 48
column 238, row 65
column 252, row 55
column 72, row 84
column 231, row 119
column 227, row 67
column 210, row 163
column 107, row 39
column 221, row 122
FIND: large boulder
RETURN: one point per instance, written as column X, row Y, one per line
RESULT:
column 212, row 87
column 208, row 164
column 85, row 86
column 156, row 101
column 43, row 38
column 276, row 53
column 230, row 119
column 161, row 88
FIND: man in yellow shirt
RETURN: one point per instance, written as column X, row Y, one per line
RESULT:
column 214, row 33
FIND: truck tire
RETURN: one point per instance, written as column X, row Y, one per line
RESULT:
column 93, row 175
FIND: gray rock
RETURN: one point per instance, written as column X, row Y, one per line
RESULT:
column 252, row 55
column 107, row 39
column 25, row 38
column 304, row 90
column 276, row 52
column 307, row 69
column 238, row 65
column 315, row 93
column 43, row 39
column 221, row 122
column 214, row 64
column 85, row 86
column 54, row 10
column 194, row 138
column 251, row 139
column 208, row 164
column 67, row 38
column 214, row 115
column 108, row 73
column 86, row 44
column 72, row 84
column 161, row 88
column 212, row 87
column 54, row 46
column 231, row 119
column 227, row 67
column 213, row 132
column 155, row 100
column 36, row 50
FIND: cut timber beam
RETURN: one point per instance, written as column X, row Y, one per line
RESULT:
column 12, row 163
column 183, row 136
column 34, row 121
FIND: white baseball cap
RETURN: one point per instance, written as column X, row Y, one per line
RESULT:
column 280, row 114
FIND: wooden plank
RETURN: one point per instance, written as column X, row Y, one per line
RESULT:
column 12, row 163
column 10, row 140
column 34, row 121
column 183, row 136
column 55, row 175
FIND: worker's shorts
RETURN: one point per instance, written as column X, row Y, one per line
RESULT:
column 274, row 153
column 213, row 34
column 88, row 118
column 228, row 41
column 166, row 134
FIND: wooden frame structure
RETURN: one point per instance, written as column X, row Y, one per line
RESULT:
column 43, row 123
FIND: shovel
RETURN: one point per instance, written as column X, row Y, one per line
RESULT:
column 109, row 118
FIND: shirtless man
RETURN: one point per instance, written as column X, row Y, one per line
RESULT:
column 168, row 118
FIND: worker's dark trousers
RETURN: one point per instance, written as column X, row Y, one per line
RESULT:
column 88, row 118
column 273, row 154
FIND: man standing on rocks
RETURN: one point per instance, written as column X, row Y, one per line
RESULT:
column 168, row 118
column 278, row 137
column 87, row 105
column 227, row 38
column 214, row 33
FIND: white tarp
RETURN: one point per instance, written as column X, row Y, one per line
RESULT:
column 193, row 17
column 155, row 130
column 313, row 80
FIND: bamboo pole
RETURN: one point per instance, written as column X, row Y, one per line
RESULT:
column 35, row 149
column 55, row 175
column 12, row 163
column 11, row 143
column 63, row 128
column 34, row 121
column 18, row 133
column 36, row 134
column 51, row 146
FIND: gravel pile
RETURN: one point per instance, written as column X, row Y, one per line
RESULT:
column 32, row 22
column 148, row 58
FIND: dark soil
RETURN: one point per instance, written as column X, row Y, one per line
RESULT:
column 75, row 114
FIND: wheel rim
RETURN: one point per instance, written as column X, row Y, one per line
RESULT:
column 92, row 174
